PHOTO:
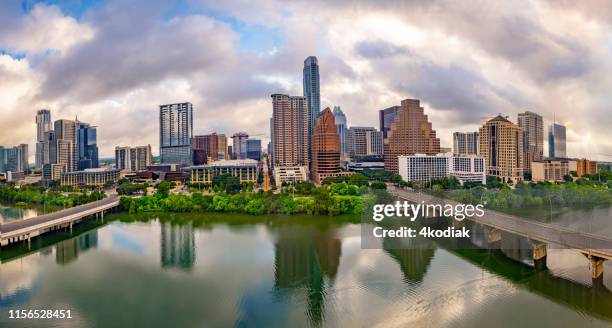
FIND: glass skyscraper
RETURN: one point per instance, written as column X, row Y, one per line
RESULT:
column 87, row 147
column 556, row 141
column 250, row 149
column 312, row 92
column 340, row 120
column 176, row 133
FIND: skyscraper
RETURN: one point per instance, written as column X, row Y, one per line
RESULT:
column 176, row 132
column 238, row 138
column 533, row 137
column 205, row 148
column 289, row 130
column 250, row 149
column 325, row 148
column 312, row 92
column 556, row 141
column 66, row 144
column 386, row 117
column 410, row 133
column 133, row 159
column 357, row 139
column 222, row 147
column 500, row 143
column 340, row 120
column 87, row 146
column 43, row 126
column 465, row 143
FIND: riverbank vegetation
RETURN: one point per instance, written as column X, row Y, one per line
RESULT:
column 38, row 196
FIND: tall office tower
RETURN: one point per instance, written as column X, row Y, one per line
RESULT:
column 176, row 132
column 50, row 148
column 386, row 117
column 340, row 120
column 205, row 148
column 312, row 92
column 238, row 138
column 14, row 159
column 66, row 144
column 87, row 147
column 500, row 143
column 556, row 141
column 374, row 143
column 289, row 130
column 325, row 148
column 43, row 126
column 271, row 143
column 3, row 159
column 133, row 159
column 357, row 140
column 250, row 149
column 222, row 147
column 410, row 133
column 23, row 163
column 465, row 143
column 533, row 137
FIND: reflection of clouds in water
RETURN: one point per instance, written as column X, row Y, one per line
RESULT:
column 18, row 277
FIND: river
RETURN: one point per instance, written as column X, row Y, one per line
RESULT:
column 287, row 272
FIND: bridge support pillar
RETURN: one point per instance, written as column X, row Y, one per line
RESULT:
column 494, row 237
column 29, row 243
column 597, row 267
column 70, row 227
column 539, row 256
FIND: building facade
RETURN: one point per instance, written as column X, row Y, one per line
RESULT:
column 410, row 133
column 357, row 140
column 289, row 130
column 87, row 147
column 500, row 143
column 549, row 170
column 312, row 92
column 250, row 149
column 237, row 140
column 465, row 143
column 341, row 126
column 374, row 143
column 585, row 166
column 424, row 168
column 247, row 170
column 556, row 141
column 222, row 152
column 533, row 137
column 325, row 148
column 43, row 126
column 176, row 133
column 386, row 118
column 133, row 159
column 66, row 144
column 290, row 174
column 205, row 148
column 90, row 178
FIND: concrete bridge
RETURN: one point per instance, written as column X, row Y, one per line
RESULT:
column 25, row 230
column 506, row 230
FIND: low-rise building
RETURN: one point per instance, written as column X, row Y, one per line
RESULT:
column 52, row 172
column 290, row 174
column 421, row 167
column 247, row 170
column 549, row 170
column 89, row 178
column 585, row 166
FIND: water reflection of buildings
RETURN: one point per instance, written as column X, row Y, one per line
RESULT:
column 68, row 250
column 413, row 258
column 177, row 246
column 303, row 261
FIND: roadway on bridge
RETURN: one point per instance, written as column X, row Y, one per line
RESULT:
column 17, row 225
column 585, row 242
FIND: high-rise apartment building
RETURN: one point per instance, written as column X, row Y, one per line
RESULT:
column 176, row 132
column 133, row 159
column 364, row 141
column 325, row 148
column 340, row 120
column 87, row 147
column 237, row 140
column 43, row 126
column 465, row 143
column 410, row 133
column 289, row 130
column 556, row 141
column 501, row 145
column 533, row 137
column 386, row 118
column 312, row 92
column 205, row 148
column 66, row 144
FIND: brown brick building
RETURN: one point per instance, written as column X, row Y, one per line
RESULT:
column 410, row 133
column 205, row 148
column 500, row 143
column 325, row 148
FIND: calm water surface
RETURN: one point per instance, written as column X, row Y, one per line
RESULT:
column 282, row 274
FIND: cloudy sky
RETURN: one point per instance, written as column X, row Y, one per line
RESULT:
column 113, row 63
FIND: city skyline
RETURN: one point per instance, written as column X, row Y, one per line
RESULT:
column 564, row 76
